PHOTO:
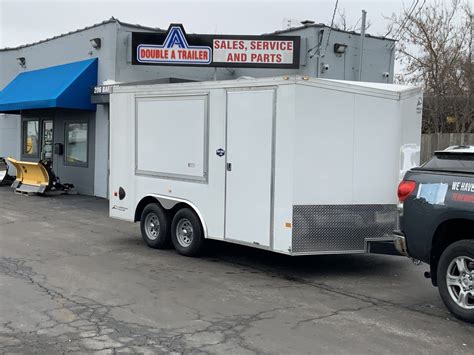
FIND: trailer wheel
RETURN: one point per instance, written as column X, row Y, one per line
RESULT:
column 456, row 279
column 187, row 233
column 154, row 225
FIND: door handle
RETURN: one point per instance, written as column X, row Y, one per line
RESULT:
column 229, row 166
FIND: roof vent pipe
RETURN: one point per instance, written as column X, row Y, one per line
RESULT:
column 361, row 45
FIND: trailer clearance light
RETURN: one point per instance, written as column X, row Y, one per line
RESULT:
column 405, row 189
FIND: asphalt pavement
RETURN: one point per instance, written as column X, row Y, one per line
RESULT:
column 73, row 280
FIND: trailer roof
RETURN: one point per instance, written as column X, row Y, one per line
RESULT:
column 401, row 90
column 389, row 91
column 380, row 86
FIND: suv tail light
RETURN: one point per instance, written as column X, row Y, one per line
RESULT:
column 405, row 189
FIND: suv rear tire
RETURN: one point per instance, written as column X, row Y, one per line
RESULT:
column 456, row 279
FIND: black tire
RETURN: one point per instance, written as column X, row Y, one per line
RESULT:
column 162, row 238
column 191, row 242
column 463, row 248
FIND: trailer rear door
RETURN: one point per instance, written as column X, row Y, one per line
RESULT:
column 250, row 123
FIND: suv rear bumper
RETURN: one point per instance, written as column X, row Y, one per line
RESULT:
column 393, row 244
column 400, row 243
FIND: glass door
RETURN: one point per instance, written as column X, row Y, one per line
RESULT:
column 47, row 140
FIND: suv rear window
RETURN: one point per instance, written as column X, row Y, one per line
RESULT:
column 457, row 162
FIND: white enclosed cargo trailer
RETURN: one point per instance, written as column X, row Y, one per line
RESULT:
column 293, row 165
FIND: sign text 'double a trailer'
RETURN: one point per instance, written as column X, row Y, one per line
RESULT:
column 293, row 165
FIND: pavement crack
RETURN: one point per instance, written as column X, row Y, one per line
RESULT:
column 372, row 301
column 330, row 315
column 93, row 327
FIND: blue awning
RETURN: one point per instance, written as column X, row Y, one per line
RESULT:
column 62, row 86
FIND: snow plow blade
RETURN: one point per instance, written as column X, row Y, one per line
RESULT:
column 31, row 177
column 5, row 178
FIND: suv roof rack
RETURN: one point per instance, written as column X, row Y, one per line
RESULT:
column 457, row 149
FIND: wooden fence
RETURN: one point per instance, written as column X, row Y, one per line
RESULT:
column 439, row 141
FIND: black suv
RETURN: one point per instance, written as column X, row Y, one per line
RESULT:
column 437, row 224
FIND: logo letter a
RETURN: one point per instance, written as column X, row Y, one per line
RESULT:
column 175, row 38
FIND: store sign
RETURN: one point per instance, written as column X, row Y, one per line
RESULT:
column 100, row 94
column 175, row 47
column 102, row 89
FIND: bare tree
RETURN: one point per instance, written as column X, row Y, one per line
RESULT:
column 435, row 51
column 343, row 24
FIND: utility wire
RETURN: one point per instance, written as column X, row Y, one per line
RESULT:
column 401, row 28
column 318, row 45
column 419, row 9
column 332, row 24
column 403, row 22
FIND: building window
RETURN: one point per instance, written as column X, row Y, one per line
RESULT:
column 31, row 138
column 76, row 143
